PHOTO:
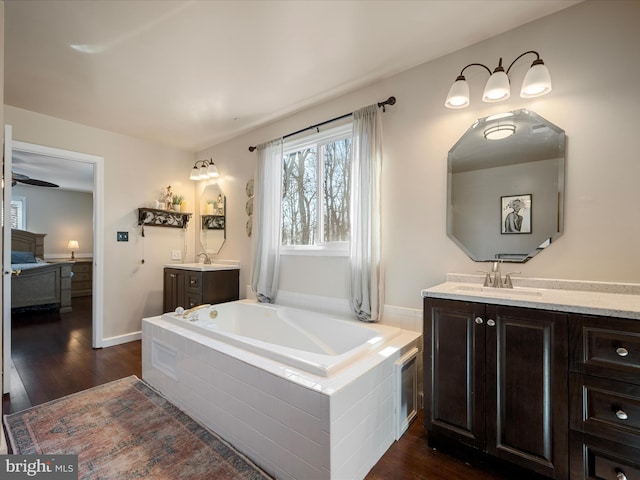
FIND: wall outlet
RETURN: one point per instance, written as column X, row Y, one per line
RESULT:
column 176, row 254
column 123, row 236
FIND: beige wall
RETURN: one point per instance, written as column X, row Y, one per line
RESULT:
column 135, row 173
column 63, row 215
column 595, row 99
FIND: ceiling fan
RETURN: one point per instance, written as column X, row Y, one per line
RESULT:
column 18, row 177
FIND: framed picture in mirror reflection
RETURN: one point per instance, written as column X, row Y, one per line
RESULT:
column 515, row 214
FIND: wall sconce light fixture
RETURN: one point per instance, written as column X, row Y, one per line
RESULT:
column 73, row 245
column 536, row 82
column 204, row 169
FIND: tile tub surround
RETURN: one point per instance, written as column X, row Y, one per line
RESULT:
column 291, row 423
column 573, row 296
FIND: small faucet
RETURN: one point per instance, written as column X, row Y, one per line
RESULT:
column 189, row 312
column 496, row 280
column 497, row 276
column 207, row 258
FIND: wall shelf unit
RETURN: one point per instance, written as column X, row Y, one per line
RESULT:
column 155, row 217
column 213, row 222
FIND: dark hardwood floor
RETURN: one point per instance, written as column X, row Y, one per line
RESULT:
column 53, row 357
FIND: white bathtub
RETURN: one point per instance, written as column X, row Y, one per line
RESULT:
column 304, row 395
column 314, row 342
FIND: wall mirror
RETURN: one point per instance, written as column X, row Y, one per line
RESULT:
column 213, row 225
column 505, row 187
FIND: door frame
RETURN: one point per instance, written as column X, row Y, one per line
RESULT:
column 98, row 240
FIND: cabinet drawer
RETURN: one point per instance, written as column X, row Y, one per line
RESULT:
column 607, row 348
column 81, row 285
column 597, row 459
column 81, row 267
column 192, row 300
column 606, row 408
column 81, row 277
column 612, row 470
column 193, row 281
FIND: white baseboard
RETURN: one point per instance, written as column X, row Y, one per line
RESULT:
column 120, row 339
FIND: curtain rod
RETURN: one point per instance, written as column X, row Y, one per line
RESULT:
column 388, row 101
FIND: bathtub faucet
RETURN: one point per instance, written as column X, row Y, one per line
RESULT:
column 207, row 258
column 188, row 312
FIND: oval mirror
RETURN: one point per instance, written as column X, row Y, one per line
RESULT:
column 505, row 187
column 213, row 223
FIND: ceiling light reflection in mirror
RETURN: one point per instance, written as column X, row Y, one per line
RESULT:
column 528, row 163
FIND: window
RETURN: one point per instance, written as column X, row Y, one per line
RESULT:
column 17, row 213
column 315, row 192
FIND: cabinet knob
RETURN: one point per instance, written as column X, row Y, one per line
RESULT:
column 173, row 275
column 491, row 322
column 623, row 352
column 622, row 415
column 479, row 320
column 620, row 474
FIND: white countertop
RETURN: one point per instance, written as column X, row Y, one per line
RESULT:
column 594, row 298
column 205, row 267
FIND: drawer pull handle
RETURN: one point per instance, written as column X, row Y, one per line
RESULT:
column 621, row 351
column 620, row 474
column 491, row 322
column 622, row 415
column 479, row 320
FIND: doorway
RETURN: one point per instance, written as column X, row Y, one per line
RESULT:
column 54, row 155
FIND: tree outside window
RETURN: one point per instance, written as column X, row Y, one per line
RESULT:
column 316, row 189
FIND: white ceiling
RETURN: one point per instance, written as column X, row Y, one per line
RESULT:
column 194, row 73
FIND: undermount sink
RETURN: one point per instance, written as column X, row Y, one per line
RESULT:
column 515, row 292
column 203, row 267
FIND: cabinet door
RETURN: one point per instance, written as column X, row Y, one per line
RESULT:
column 221, row 286
column 454, row 344
column 174, row 289
column 526, row 388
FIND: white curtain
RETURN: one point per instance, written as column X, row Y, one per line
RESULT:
column 367, row 292
column 266, row 218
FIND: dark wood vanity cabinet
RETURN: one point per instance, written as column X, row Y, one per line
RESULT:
column 496, row 380
column 605, row 398
column 188, row 288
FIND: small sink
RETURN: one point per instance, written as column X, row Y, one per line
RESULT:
column 511, row 292
column 202, row 267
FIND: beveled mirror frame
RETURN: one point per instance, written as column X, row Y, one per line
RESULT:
column 212, row 223
column 528, row 163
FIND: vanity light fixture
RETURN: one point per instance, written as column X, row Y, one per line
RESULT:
column 203, row 170
column 537, row 82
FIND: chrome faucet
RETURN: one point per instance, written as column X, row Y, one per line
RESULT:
column 207, row 258
column 497, row 276
column 494, row 278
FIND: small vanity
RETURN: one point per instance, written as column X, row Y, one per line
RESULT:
column 545, row 375
column 189, row 284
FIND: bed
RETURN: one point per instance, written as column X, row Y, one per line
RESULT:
column 35, row 283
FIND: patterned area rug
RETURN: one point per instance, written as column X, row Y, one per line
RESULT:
column 124, row 430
